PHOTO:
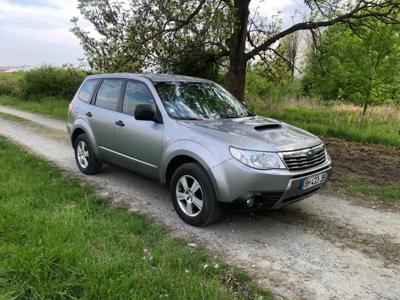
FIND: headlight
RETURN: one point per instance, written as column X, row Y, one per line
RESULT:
column 327, row 155
column 257, row 159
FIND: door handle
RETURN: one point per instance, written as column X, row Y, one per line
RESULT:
column 120, row 123
column 89, row 114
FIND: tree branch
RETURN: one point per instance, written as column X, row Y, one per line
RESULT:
column 369, row 9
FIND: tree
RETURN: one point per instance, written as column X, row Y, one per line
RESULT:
column 292, row 44
column 154, row 33
column 361, row 66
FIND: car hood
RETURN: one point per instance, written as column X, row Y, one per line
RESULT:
column 256, row 133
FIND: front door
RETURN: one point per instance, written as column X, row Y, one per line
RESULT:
column 138, row 142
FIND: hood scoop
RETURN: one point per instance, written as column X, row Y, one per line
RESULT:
column 267, row 127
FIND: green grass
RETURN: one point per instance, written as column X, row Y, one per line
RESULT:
column 380, row 126
column 388, row 195
column 59, row 241
column 10, row 83
column 50, row 106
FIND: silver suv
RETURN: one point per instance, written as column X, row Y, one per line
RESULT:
column 197, row 139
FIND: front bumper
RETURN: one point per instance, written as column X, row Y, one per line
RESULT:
column 236, row 182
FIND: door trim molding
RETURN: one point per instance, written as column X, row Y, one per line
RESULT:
column 129, row 157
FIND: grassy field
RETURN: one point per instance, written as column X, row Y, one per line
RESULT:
column 382, row 125
column 384, row 195
column 59, row 241
column 50, row 106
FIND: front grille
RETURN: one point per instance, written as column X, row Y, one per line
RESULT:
column 305, row 159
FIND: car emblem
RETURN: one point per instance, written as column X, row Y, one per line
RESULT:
column 310, row 153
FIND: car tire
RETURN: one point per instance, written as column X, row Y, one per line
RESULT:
column 84, row 156
column 193, row 195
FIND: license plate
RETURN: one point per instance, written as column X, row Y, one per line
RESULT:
column 313, row 181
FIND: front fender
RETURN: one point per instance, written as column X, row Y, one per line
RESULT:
column 194, row 150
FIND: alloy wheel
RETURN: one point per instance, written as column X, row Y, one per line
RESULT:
column 82, row 153
column 189, row 195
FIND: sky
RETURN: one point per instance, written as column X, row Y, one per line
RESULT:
column 37, row 32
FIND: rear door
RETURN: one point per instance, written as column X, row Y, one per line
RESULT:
column 139, row 142
column 103, row 113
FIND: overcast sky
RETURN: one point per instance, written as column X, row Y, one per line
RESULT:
column 37, row 32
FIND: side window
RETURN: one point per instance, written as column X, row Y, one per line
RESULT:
column 136, row 92
column 108, row 94
column 85, row 94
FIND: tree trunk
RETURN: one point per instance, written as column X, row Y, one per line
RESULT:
column 364, row 113
column 236, row 77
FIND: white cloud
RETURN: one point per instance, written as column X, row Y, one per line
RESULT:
column 24, row 27
column 34, row 32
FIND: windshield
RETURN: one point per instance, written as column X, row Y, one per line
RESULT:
column 198, row 100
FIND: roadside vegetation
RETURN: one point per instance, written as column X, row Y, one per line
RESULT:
column 53, row 107
column 386, row 196
column 47, row 90
column 335, row 119
column 59, row 240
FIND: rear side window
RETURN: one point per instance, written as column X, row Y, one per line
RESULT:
column 86, row 92
column 136, row 92
column 109, row 93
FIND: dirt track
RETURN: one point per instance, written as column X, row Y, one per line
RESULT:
column 289, row 252
column 373, row 163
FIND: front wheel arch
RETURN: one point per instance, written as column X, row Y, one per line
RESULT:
column 210, row 205
column 180, row 159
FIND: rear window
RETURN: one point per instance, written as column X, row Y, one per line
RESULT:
column 87, row 90
column 109, row 93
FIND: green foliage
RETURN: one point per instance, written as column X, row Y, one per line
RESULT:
column 46, row 81
column 59, row 241
column 54, row 107
column 182, row 37
column 259, row 86
column 194, row 64
column 51, row 82
column 362, row 67
column 10, row 83
column 387, row 194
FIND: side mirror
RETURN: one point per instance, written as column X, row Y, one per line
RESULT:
column 145, row 112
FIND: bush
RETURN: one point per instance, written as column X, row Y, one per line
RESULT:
column 51, row 82
column 10, row 84
column 259, row 87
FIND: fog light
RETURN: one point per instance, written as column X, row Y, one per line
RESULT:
column 250, row 202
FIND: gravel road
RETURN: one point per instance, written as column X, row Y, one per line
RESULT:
column 292, row 258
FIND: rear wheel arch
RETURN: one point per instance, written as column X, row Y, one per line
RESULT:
column 82, row 129
column 78, row 131
column 85, row 156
